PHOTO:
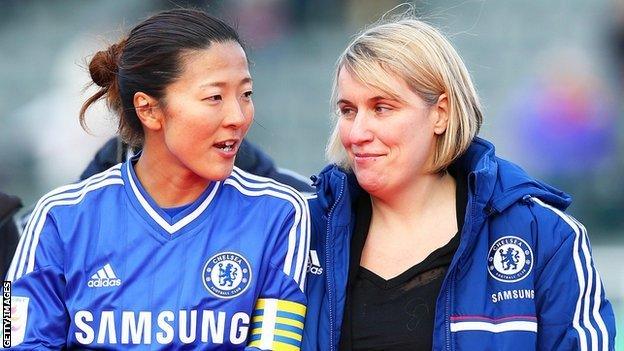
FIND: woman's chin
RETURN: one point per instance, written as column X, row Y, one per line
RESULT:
column 217, row 172
column 371, row 183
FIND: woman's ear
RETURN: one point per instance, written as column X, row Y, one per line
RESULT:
column 441, row 115
column 147, row 110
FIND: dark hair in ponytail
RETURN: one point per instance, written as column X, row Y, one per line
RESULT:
column 148, row 60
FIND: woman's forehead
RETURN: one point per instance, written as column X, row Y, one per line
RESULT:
column 225, row 64
column 378, row 80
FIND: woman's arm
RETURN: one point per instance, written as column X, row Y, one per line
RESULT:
column 278, row 318
column 39, row 318
column 573, row 311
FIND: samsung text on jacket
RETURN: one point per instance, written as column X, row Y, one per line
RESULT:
column 513, row 295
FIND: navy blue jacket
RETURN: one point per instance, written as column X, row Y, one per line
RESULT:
column 522, row 277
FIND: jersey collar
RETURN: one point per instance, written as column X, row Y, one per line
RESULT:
column 150, row 211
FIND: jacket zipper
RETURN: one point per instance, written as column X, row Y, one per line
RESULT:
column 469, row 209
column 447, row 319
column 327, row 264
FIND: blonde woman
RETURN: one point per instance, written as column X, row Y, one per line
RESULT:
column 425, row 239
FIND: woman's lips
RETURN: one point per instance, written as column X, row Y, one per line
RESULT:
column 364, row 157
column 227, row 148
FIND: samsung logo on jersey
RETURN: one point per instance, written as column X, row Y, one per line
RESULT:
column 513, row 295
column 137, row 327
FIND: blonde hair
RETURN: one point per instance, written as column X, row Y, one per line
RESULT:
column 424, row 58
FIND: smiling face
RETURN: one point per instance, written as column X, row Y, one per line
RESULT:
column 207, row 111
column 390, row 141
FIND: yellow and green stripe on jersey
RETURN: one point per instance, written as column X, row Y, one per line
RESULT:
column 277, row 325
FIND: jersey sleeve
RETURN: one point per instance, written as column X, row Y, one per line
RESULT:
column 39, row 318
column 573, row 311
column 279, row 315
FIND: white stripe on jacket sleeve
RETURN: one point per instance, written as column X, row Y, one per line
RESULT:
column 586, row 281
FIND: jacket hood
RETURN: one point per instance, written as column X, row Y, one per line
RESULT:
column 495, row 183
column 498, row 183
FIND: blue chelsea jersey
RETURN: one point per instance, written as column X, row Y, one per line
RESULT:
column 101, row 266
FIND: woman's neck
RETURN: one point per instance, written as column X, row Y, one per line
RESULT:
column 166, row 180
column 426, row 199
column 410, row 225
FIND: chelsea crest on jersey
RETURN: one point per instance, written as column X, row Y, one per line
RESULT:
column 100, row 265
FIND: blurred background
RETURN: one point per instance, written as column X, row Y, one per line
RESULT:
column 550, row 74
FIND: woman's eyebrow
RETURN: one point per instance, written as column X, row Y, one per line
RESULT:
column 222, row 84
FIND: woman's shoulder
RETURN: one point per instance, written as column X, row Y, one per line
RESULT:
column 555, row 227
column 74, row 203
column 263, row 191
column 546, row 227
column 83, row 193
column 549, row 221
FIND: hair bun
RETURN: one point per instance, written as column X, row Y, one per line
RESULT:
column 104, row 65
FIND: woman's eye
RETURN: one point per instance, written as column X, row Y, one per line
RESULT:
column 382, row 109
column 214, row 98
column 248, row 94
column 346, row 112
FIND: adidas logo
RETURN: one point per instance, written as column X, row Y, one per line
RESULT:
column 314, row 265
column 104, row 277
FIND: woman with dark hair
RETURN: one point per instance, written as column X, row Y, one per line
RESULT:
column 175, row 247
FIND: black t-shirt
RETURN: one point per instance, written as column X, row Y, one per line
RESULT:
column 395, row 314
